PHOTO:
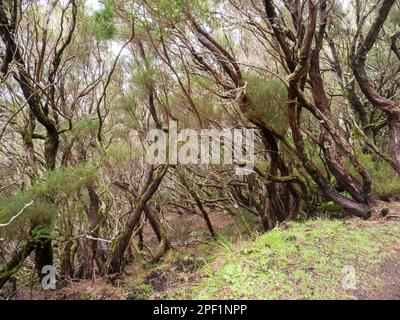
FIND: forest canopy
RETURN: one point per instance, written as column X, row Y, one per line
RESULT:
column 83, row 83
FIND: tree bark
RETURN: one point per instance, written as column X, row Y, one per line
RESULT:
column 15, row 263
column 115, row 260
column 387, row 106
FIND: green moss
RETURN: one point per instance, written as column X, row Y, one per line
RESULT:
column 304, row 261
column 137, row 290
column 89, row 295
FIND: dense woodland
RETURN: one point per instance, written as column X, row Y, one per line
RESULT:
column 83, row 82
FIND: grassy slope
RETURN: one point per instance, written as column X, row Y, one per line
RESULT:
column 299, row 261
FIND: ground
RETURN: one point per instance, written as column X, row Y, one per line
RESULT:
column 315, row 259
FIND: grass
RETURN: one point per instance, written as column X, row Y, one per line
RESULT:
column 301, row 261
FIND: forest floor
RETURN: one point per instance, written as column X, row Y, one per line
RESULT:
column 315, row 259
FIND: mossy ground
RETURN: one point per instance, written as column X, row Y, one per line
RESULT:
column 298, row 261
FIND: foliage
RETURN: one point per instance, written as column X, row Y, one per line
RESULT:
column 120, row 153
column 268, row 101
column 56, row 185
column 86, row 126
column 103, row 21
column 75, row 121
column 382, row 174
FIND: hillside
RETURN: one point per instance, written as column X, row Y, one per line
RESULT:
column 199, row 149
column 298, row 260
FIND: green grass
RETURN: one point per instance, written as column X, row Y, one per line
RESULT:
column 303, row 261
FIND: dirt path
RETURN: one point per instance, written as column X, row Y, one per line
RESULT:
column 389, row 275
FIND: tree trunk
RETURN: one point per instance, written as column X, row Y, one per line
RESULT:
column 15, row 263
column 387, row 106
column 92, row 212
column 43, row 255
column 394, row 139
column 115, row 260
column 67, row 260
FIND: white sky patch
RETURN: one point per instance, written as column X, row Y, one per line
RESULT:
column 93, row 5
column 115, row 48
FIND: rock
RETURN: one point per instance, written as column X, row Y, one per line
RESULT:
column 384, row 212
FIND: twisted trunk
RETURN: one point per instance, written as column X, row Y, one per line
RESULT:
column 119, row 246
column 387, row 106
